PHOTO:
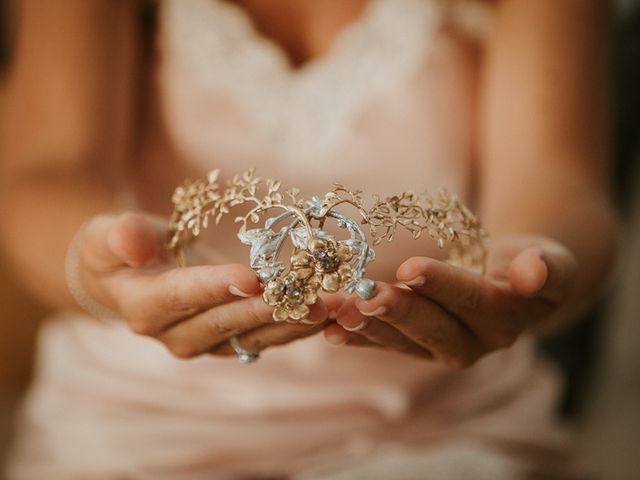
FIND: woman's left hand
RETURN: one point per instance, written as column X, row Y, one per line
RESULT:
column 456, row 316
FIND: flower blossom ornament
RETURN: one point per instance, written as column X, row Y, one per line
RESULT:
column 320, row 262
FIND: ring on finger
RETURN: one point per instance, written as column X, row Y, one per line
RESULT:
column 245, row 356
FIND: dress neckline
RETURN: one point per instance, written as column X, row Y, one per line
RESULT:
column 278, row 50
column 304, row 113
column 248, row 33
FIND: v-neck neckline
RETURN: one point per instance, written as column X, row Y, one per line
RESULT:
column 304, row 113
column 341, row 41
column 281, row 51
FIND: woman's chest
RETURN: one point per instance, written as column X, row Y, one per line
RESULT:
column 392, row 101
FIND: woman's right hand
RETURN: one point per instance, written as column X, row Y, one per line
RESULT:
column 123, row 265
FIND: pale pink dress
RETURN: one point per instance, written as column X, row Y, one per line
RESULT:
column 389, row 108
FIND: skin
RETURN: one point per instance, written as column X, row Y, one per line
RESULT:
column 542, row 188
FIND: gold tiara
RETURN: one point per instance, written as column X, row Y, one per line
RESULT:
column 320, row 261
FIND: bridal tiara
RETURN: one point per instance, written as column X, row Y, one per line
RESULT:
column 320, row 261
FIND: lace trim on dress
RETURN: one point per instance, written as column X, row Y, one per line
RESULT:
column 305, row 112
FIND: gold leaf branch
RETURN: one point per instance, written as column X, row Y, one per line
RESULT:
column 196, row 202
column 443, row 217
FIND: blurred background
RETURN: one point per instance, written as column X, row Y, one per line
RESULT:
column 19, row 314
column 600, row 356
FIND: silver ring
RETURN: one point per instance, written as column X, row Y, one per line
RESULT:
column 245, row 356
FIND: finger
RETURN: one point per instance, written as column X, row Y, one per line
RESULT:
column 129, row 239
column 355, row 340
column 152, row 301
column 349, row 317
column 333, row 301
column 425, row 323
column 377, row 332
column 528, row 272
column 470, row 297
column 336, row 335
column 488, row 307
column 543, row 273
column 138, row 239
column 457, row 290
column 202, row 333
column 261, row 338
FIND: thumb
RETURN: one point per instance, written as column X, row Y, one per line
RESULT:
column 128, row 239
column 545, row 272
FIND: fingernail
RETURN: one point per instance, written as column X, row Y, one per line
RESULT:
column 233, row 290
column 376, row 313
column 307, row 321
column 358, row 327
column 415, row 282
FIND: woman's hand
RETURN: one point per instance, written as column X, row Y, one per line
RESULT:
column 456, row 316
column 123, row 265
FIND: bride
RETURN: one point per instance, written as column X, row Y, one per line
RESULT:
column 114, row 103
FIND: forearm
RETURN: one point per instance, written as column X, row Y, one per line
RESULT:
column 67, row 129
column 41, row 213
column 544, row 135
